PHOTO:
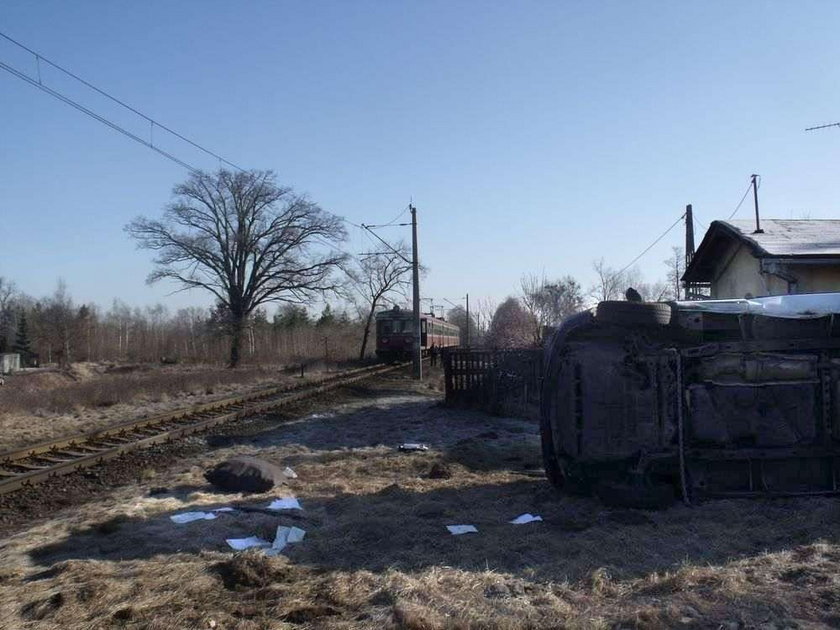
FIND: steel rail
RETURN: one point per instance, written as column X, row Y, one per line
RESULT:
column 37, row 463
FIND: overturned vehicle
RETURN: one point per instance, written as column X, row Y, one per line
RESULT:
column 647, row 403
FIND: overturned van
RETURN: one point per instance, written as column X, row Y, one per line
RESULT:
column 646, row 403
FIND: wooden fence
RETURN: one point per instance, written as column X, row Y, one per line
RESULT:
column 499, row 381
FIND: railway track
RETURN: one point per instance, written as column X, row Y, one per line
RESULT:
column 39, row 462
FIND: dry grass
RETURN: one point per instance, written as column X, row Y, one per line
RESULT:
column 42, row 405
column 376, row 553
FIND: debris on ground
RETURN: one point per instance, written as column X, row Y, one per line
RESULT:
column 410, row 447
column 525, row 518
column 189, row 517
column 240, row 544
column 286, row 503
column 285, row 536
column 246, row 474
column 291, row 474
column 457, row 530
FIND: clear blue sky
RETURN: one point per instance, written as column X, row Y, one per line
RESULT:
column 532, row 136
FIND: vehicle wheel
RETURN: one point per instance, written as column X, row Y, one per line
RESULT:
column 642, row 497
column 633, row 313
column 558, row 474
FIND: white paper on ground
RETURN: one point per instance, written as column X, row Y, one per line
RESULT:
column 224, row 509
column 239, row 544
column 188, row 517
column 285, row 536
column 456, row 530
column 525, row 518
column 286, row 503
column 411, row 446
column 291, row 474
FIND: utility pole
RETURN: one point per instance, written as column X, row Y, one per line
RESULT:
column 415, row 272
column 468, row 320
column 758, row 229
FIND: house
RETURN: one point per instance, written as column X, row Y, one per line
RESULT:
column 785, row 256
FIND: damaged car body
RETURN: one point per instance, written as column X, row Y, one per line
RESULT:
column 644, row 403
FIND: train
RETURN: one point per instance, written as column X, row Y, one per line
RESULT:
column 395, row 334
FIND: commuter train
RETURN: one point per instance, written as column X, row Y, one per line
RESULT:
column 395, row 334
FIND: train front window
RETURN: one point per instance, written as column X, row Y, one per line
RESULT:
column 386, row 327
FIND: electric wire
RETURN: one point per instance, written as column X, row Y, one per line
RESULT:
column 95, row 116
column 39, row 57
column 740, row 203
column 649, row 247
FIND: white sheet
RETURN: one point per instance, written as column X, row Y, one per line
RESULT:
column 189, row 517
column 240, row 544
column 457, row 530
column 286, row 503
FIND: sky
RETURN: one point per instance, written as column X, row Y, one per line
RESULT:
column 533, row 137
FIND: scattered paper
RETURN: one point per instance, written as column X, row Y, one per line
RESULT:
column 291, row 474
column 413, row 447
column 287, row 503
column 239, row 544
column 525, row 518
column 457, row 530
column 285, row 535
column 188, row 517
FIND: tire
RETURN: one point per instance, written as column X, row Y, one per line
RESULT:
column 642, row 497
column 633, row 313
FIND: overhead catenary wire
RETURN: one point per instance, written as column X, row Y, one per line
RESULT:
column 153, row 123
column 95, row 116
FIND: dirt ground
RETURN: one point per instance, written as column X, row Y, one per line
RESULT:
column 377, row 553
column 41, row 405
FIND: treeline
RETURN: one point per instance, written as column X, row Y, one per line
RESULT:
column 57, row 330
column 523, row 320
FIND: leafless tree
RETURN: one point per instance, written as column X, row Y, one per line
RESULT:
column 675, row 264
column 512, row 326
column 7, row 315
column 375, row 278
column 58, row 323
column 458, row 315
column 549, row 303
column 246, row 240
column 610, row 284
column 483, row 313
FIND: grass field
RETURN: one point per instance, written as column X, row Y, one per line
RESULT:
column 41, row 405
column 377, row 554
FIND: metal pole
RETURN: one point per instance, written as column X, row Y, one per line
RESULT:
column 758, row 229
column 468, row 320
column 415, row 268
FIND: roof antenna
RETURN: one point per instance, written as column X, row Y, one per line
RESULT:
column 758, row 229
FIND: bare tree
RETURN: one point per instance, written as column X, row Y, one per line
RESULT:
column 512, row 326
column 609, row 283
column 675, row 264
column 375, row 278
column 549, row 303
column 58, row 323
column 483, row 312
column 246, row 240
column 458, row 315
column 7, row 319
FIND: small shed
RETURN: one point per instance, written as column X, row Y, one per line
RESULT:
column 9, row 363
column 785, row 256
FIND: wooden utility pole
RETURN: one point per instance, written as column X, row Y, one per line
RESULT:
column 468, row 320
column 689, row 234
column 415, row 272
column 758, row 229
